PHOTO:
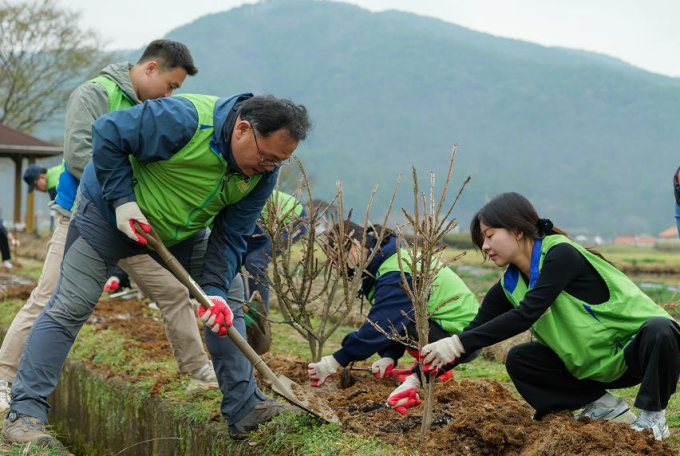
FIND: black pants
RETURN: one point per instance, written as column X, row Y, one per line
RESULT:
column 653, row 361
column 4, row 247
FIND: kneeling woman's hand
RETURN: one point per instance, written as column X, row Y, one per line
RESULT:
column 319, row 372
column 406, row 395
column 439, row 354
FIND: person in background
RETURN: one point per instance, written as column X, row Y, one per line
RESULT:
column 43, row 179
column 676, row 191
column 259, row 250
column 6, row 239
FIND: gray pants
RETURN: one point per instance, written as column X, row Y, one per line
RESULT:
column 93, row 247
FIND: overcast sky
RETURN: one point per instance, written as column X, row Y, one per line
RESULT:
column 643, row 33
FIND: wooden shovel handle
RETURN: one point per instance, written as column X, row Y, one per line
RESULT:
column 183, row 276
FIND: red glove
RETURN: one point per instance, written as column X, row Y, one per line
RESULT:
column 218, row 318
column 112, row 284
column 406, row 395
column 419, row 358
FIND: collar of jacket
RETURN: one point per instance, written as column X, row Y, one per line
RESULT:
column 224, row 120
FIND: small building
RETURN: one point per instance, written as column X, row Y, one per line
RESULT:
column 668, row 238
column 18, row 146
column 642, row 240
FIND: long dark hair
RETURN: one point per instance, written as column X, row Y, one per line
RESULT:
column 516, row 214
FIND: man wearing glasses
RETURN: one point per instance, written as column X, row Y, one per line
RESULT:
column 179, row 165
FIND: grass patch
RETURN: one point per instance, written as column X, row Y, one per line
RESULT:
column 301, row 434
column 16, row 449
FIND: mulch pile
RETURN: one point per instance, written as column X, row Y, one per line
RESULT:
column 470, row 417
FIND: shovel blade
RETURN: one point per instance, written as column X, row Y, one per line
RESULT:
column 306, row 400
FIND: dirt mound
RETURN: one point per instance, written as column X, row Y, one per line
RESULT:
column 471, row 416
column 21, row 292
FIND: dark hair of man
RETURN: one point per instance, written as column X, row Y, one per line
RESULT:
column 516, row 214
column 268, row 114
column 169, row 55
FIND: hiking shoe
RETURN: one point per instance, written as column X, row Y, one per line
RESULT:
column 5, row 396
column 261, row 413
column 25, row 429
column 7, row 264
column 609, row 408
column 656, row 421
column 202, row 379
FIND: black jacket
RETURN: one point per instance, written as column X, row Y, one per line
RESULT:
column 676, row 186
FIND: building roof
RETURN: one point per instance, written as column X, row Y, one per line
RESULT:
column 669, row 233
column 14, row 143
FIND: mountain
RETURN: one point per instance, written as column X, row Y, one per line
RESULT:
column 591, row 140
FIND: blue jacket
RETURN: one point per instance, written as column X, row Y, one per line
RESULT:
column 156, row 130
column 388, row 303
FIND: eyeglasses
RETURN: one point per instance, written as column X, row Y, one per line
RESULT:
column 265, row 162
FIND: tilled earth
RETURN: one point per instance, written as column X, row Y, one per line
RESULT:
column 471, row 416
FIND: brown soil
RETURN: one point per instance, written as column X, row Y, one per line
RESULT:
column 142, row 331
column 14, row 286
column 21, row 292
column 471, row 416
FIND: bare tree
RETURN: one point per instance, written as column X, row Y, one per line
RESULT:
column 314, row 297
column 43, row 56
column 430, row 222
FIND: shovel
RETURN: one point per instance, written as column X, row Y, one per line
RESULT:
column 280, row 384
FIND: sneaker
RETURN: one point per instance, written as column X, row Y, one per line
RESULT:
column 202, row 379
column 7, row 264
column 261, row 413
column 656, row 421
column 5, row 397
column 609, row 408
column 25, row 429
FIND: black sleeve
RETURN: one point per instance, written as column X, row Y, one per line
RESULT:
column 562, row 264
column 676, row 186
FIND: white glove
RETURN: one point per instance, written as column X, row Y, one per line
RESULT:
column 382, row 367
column 319, row 372
column 125, row 215
column 406, row 395
column 442, row 352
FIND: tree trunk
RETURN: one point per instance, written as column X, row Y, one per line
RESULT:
column 428, row 410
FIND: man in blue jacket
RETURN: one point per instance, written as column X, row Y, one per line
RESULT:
column 178, row 165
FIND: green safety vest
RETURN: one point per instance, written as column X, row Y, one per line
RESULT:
column 451, row 302
column 52, row 175
column 117, row 98
column 286, row 204
column 589, row 339
column 182, row 195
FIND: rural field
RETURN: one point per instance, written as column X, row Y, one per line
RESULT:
column 478, row 412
